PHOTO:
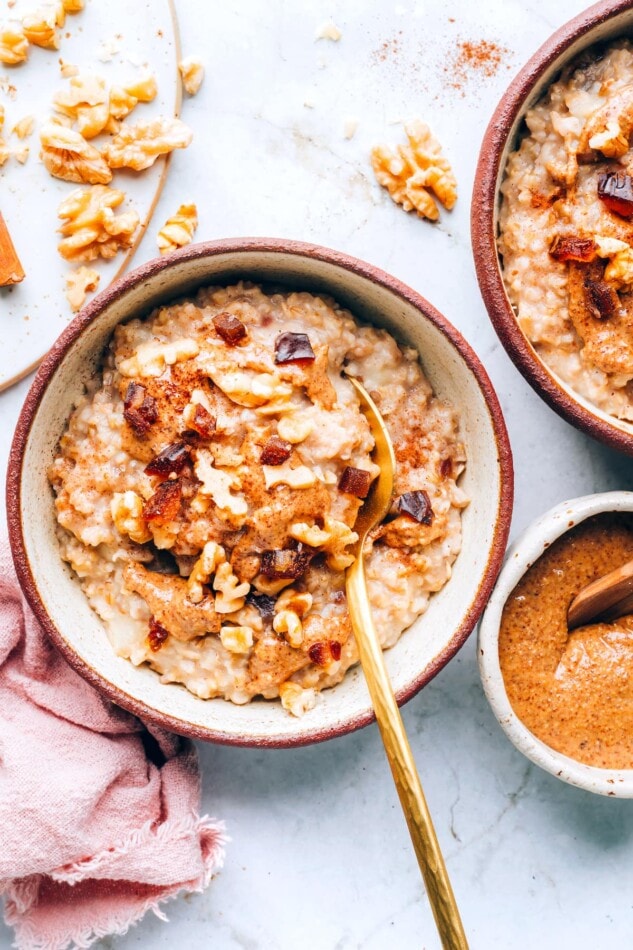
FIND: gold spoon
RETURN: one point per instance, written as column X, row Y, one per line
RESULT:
column 607, row 598
column 394, row 737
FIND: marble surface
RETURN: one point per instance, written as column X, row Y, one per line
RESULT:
column 319, row 857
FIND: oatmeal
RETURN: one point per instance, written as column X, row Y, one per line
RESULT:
column 574, row 691
column 566, row 231
column 208, row 483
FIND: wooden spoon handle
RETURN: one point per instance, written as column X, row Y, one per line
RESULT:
column 400, row 757
column 607, row 594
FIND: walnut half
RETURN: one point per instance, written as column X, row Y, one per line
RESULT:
column 138, row 146
column 67, row 155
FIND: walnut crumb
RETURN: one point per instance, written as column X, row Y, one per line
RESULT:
column 78, row 284
column 192, row 73
column 178, row 230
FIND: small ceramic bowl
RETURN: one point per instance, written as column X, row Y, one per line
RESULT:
column 521, row 555
column 602, row 22
column 454, row 372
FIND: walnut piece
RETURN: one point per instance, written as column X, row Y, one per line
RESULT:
column 144, row 88
column 126, row 509
column 72, row 6
column 415, row 172
column 138, row 146
column 78, row 283
column 297, row 700
column 86, row 102
column 40, row 28
column 192, row 74
column 24, row 127
column 619, row 270
column 67, row 155
column 178, row 230
column 14, row 46
column 152, row 358
column 91, row 229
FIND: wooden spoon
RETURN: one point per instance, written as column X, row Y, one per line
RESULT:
column 394, row 737
column 606, row 599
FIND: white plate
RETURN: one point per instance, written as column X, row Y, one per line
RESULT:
column 131, row 35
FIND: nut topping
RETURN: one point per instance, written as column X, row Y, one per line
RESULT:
column 355, row 481
column 156, row 636
column 139, row 409
column 294, row 348
column 615, row 189
column 164, row 504
column 287, row 563
column 229, row 328
column 201, row 424
column 170, row 461
column 569, row 248
column 275, row 451
column 417, row 505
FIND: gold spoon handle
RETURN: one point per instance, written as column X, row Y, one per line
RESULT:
column 400, row 757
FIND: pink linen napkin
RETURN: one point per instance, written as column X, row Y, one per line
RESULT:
column 98, row 813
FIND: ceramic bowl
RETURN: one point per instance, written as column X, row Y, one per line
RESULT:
column 454, row 372
column 521, row 555
column 602, row 22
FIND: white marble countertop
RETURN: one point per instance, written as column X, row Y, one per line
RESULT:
column 320, row 857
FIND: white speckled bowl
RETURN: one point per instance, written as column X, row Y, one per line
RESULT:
column 453, row 370
column 521, row 555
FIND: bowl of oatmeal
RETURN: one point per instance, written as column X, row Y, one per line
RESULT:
column 187, row 471
column 564, row 698
column 551, row 222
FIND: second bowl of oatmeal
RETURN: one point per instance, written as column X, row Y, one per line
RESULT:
column 551, row 222
column 186, row 474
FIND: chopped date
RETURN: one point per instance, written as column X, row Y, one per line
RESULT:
column 157, row 635
column 286, row 563
column 139, row 409
column 615, row 189
column 320, row 653
column 229, row 328
column 202, row 425
column 335, row 649
column 355, row 481
column 275, row 451
column 417, row 505
column 164, row 504
column 569, row 248
column 170, row 461
column 446, row 468
column 601, row 299
column 263, row 603
column 293, row 348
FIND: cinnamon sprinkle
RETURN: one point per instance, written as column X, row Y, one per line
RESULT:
column 482, row 57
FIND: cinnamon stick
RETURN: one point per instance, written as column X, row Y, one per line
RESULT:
column 11, row 270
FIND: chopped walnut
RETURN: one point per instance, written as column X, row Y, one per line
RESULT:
column 67, row 155
column 86, row 102
column 619, row 270
column 21, row 154
column 178, row 230
column 73, row 6
column 236, row 639
column 192, row 73
column 212, row 556
column 333, row 538
column 299, row 477
column 290, row 608
column 14, row 46
column 295, row 699
column 230, row 594
column 121, row 103
column 67, row 69
column 78, row 283
column 127, row 513
column 294, row 429
column 152, row 358
column 329, row 31
column 91, row 229
column 24, row 127
column 143, row 89
column 40, row 28
column 138, row 146
column 414, row 171
column 217, row 484
column 5, row 152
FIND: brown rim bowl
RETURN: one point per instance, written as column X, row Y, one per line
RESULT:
column 454, row 372
column 602, row 22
